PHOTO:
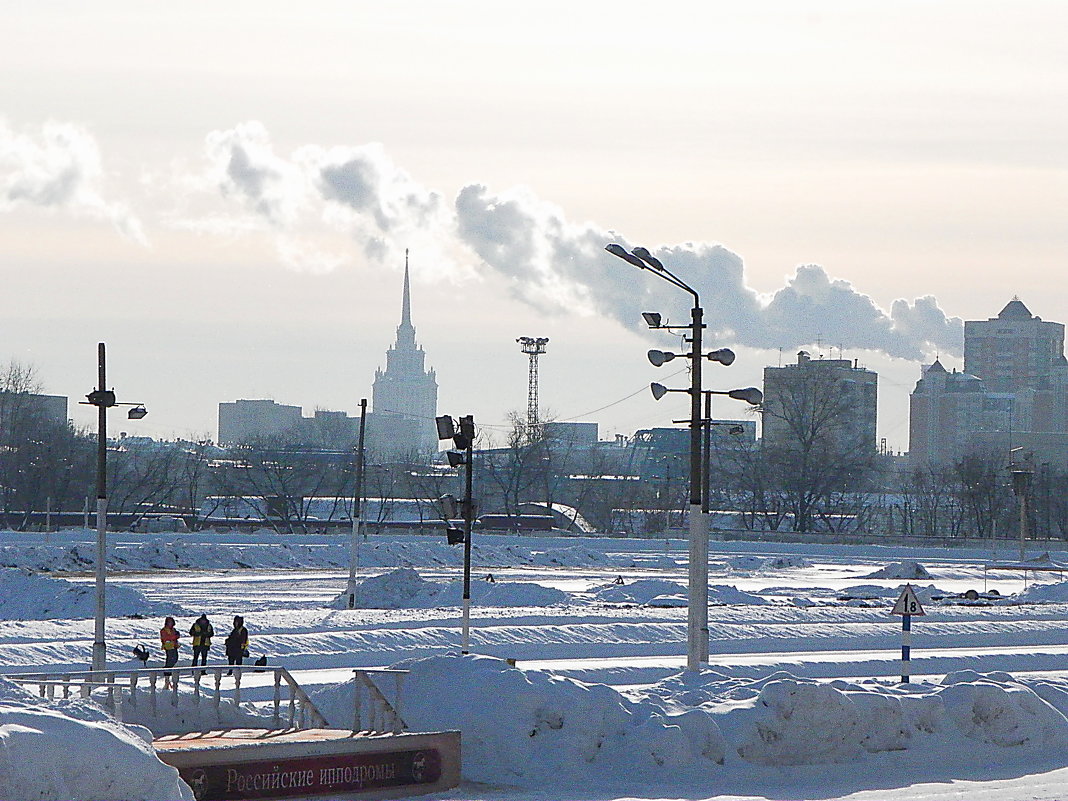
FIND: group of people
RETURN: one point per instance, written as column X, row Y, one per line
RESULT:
column 202, row 631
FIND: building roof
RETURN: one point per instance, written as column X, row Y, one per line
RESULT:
column 1015, row 310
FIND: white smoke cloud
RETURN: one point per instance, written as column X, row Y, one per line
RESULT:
column 59, row 169
column 557, row 266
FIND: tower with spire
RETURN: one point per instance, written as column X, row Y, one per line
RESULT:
column 404, row 395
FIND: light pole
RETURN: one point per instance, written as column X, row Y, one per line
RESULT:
column 103, row 399
column 357, row 509
column 464, row 439
column 697, row 606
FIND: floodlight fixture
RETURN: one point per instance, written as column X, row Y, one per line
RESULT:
column 446, row 428
column 455, row 458
column 724, row 356
column 648, row 258
column 653, row 319
column 751, row 395
column 658, row 390
column 137, row 412
column 455, row 536
column 657, row 358
column 621, row 252
column 449, row 506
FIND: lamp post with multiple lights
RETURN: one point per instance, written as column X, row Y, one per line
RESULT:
column 103, row 399
column 697, row 606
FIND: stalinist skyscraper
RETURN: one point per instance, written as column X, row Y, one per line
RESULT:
column 404, row 398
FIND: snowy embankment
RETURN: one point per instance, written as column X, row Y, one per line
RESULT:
column 24, row 595
column 280, row 553
column 62, row 750
column 532, row 729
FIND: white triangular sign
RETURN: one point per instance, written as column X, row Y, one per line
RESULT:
column 908, row 603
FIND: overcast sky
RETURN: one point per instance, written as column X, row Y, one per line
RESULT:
column 223, row 193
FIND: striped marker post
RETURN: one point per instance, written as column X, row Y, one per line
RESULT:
column 907, row 605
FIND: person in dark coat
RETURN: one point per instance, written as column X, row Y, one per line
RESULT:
column 202, row 631
column 237, row 642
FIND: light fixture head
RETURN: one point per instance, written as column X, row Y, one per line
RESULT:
column 455, row 458
column 658, row 357
column 724, row 356
column 658, row 390
column 137, row 412
column 621, row 252
column 446, row 427
column 648, row 258
column 751, row 395
column 652, row 319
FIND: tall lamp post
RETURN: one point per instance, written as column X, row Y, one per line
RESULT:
column 464, row 440
column 103, row 399
column 697, row 606
column 357, row 509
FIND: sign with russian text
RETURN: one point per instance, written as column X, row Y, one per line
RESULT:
column 311, row 776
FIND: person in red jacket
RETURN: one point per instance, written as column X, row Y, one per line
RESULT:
column 168, row 637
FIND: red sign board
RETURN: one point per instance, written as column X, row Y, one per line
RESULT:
column 310, row 776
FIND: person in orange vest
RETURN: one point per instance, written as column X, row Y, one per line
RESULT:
column 168, row 637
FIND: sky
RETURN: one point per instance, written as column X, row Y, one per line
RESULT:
column 224, row 195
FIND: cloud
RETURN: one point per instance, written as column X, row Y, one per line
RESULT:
column 547, row 261
column 59, row 169
column 562, row 267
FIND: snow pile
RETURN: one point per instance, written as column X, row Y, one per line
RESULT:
column 1044, row 594
column 765, row 564
column 638, row 592
column 404, row 588
column 27, row 596
column 729, row 595
column 533, row 729
column 661, row 592
column 900, row 570
column 572, row 556
column 73, row 750
column 994, row 709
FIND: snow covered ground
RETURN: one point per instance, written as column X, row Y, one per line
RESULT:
column 800, row 699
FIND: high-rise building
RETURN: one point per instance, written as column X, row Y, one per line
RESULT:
column 1015, row 350
column 404, row 396
column 1013, row 393
column 830, row 399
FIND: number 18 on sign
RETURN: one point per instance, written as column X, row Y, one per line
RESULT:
column 907, row 605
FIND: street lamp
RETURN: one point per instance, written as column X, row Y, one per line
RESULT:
column 697, row 606
column 464, row 440
column 103, row 399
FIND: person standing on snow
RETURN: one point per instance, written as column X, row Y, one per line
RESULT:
column 237, row 642
column 202, row 631
column 168, row 637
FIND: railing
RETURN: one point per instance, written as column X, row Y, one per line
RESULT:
column 300, row 712
column 382, row 716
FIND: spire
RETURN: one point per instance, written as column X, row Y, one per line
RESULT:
column 406, row 307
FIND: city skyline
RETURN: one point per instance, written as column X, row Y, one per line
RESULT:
column 224, row 196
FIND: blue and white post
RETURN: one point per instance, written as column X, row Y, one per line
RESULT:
column 907, row 605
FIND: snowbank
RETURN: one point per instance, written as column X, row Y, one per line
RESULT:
column 72, row 750
column 900, row 570
column 764, row 564
column 25, row 595
column 661, row 592
column 404, row 588
column 1044, row 594
column 533, row 729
